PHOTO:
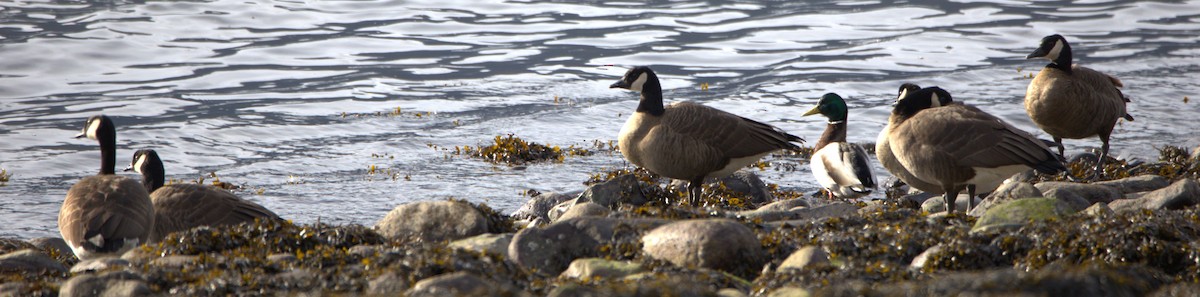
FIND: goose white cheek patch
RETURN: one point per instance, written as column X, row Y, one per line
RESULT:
column 933, row 101
column 92, row 129
column 637, row 84
column 1053, row 55
column 137, row 163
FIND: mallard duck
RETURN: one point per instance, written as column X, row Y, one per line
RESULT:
column 958, row 146
column 689, row 141
column 105, row 214
column 840, row 167
column 1072, row 101
column 183, row 206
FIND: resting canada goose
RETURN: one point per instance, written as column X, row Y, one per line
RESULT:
column 105, row 214
column 842, row 168
column 690, row 141
column 958, row 146
column 183, row 206
column 883, row 150
column 1071, row 101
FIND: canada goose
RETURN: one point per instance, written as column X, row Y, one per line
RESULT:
column 183, row 206
column 690, row 141
column 842, row 168
column 959, row 146
column 105, row 214
column 883, row 150
column 1071, row 101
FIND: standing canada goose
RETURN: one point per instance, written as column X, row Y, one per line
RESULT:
column 959, row 146
column 1071, row 101
column 842, row 168
column 183, row 206
column 883, row 150
column 105, row 214
column 690, row 141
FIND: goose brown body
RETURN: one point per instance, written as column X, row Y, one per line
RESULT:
column 883, row 151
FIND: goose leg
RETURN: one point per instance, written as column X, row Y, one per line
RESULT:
column 971, row 197
column 950, row 195
column 1099, row 169
column 1058, row 140
column 694, row 191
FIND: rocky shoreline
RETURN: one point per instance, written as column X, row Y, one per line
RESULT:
column 1135, row 235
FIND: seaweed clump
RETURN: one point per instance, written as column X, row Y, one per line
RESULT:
column 513, row 150
column 1174, row 163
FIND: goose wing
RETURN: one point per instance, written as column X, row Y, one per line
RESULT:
column 731, row 135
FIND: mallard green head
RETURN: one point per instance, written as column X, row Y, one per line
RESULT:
column 831, row 106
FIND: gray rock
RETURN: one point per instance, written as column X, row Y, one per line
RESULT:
column 1091, row 192
column 621, row 189
column 1098, row 209
column 1006, row 192
column 282, row 258
column 13, row 289
column 804, row 215
column 549, row 249
column 52, row 243
column 460, row 284
column 585, row 209
column 561, row 208
column 747, row 183
column 805, row 257
column 388, row 284
column 366, row 250
column 1074, row 200
column 1181, row 194
column 538, row 205
column 731, row 292
column 98, row 264
column 1177, row 290
column 112, row 283
column 918, row 199
column 30, row 261
column 1136, row 184
column 175, row 261
column 432, row 221
column 485, row 243
column 1019, row 212
column 720, row 244
column 938, row 204
column 919, row 261
column 789, row 291
column 784, row 205
column 588, row 268
column 295, row 278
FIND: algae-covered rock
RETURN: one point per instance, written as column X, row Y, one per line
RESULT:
column 1091, row 192
column 29, row 261
column 1069, row 197
column 1181, row 194
column 805, row 257
column 460, row 284
column 1134, row 184
column 432, row 221
column 1019, row 212
column 52, row 244
column 387, row 284
column 624, row 188
column 1098, row 209
column 113, row 283
column 539, row 205
column 485, row 243
column 588, row 268
column 1006, row 192
column 748, row 184
column 720, row 244
column 921, row 260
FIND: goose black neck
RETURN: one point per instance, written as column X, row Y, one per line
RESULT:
column 652, row 98
column 834, row 132
column 1063, row 62
column 153, row 175
column 108, row 153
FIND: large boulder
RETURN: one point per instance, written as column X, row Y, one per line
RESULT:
column 625, row 188
column 1134, row 184
column 112, row 283
column 721, row 244
column 1091, row 192
column 585, row 209
column 548, row 250
column 1006, row 192
column 432, row 221
column 537, row 207
column 30, row 261
column 485, row 243
column 1019, row 212
column 1181, row 194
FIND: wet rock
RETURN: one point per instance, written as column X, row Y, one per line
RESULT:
column 1136, row 184
column 783, row 205
column 549, row 249
column 805, row 257
column 537, row 206
column 388, row 284
column 747, row 183
column 30, row 261
column 113, row 283
column 1070, row 198
column 98, row 264
column 789, row 292
column 432, row 221
column 624, row 188
column 1098, row 209
column 460, row 284
column 1091, row 192
column 720, row 244
column 1019, row 212
column 485, row 243
column 1006, row 192
column 588, row 268
column 1181, row 194
column 52, row 243
column 937, row 204
column 920, row 260
column 585, row 209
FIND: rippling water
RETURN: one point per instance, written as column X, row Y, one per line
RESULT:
column 296, row 99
